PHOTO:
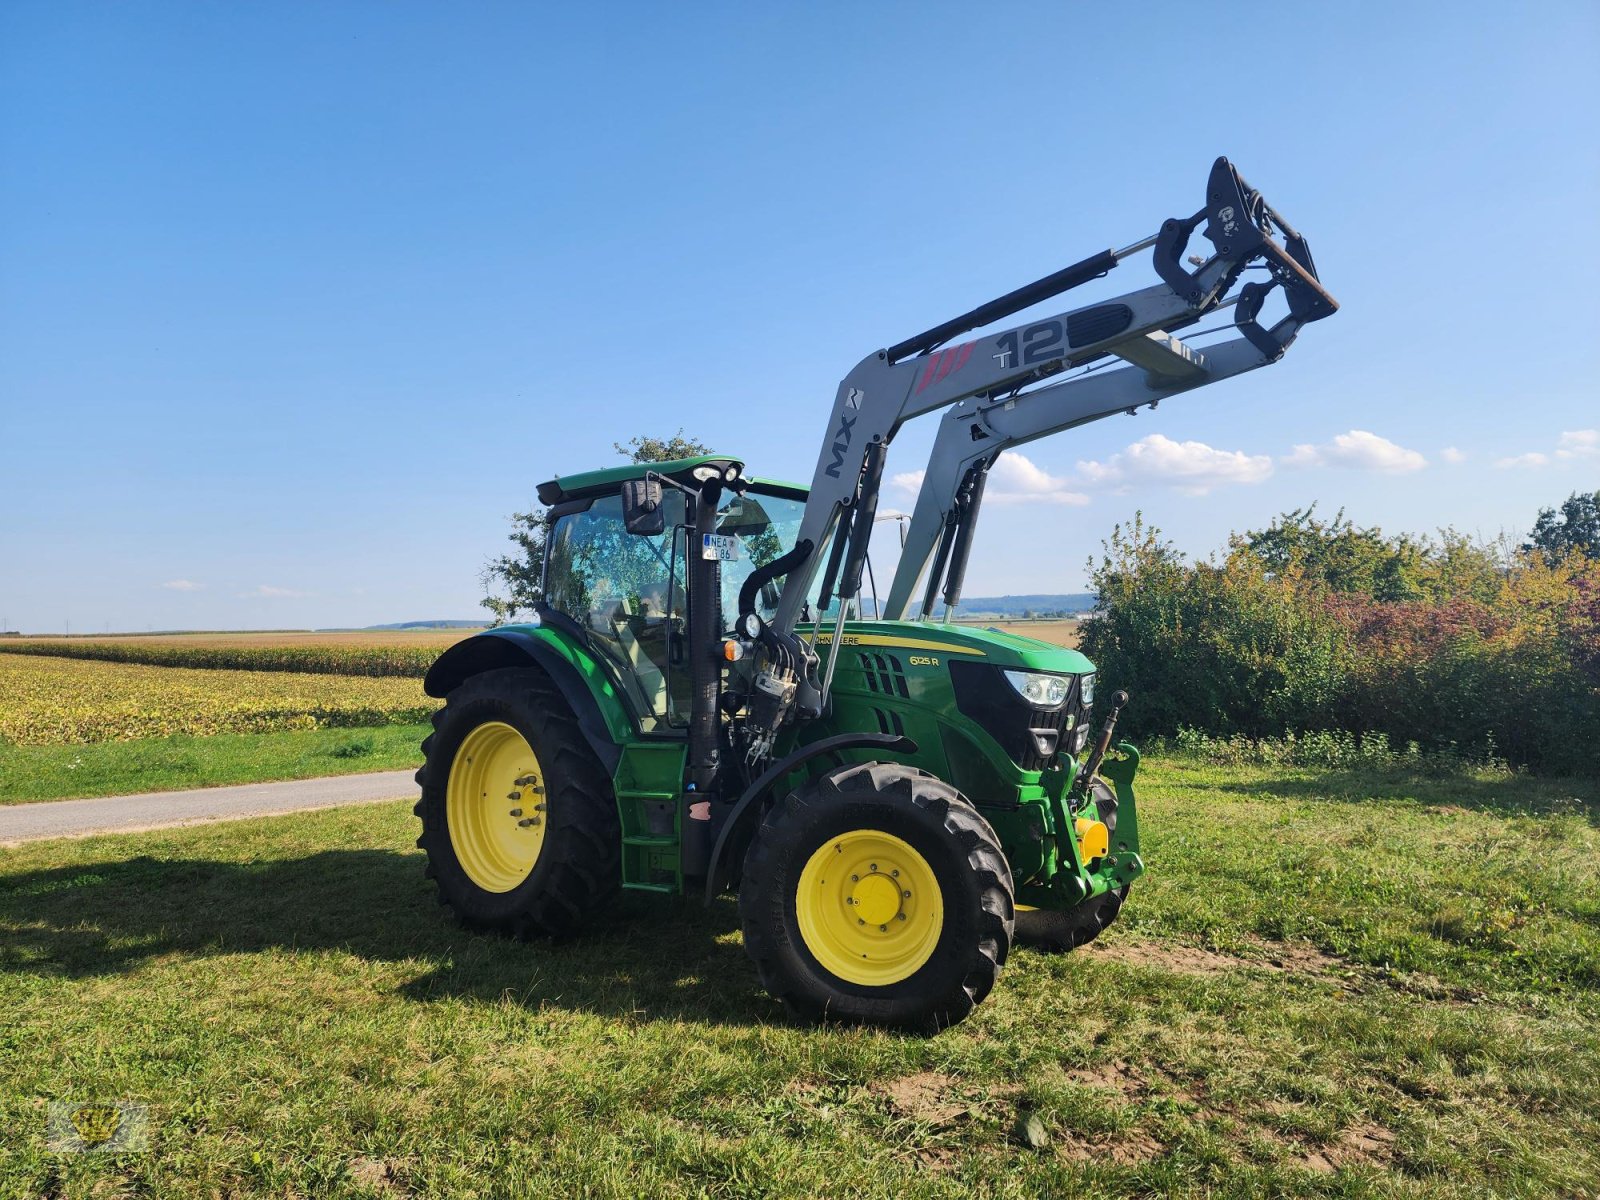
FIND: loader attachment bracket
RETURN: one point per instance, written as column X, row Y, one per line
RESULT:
column 1243, row 228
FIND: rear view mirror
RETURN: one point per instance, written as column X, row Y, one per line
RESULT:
column 642, row 511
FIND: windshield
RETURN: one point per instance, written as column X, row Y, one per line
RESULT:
column 766, row 527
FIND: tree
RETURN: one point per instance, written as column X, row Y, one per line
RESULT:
column 649, row 449
column 511, row 581
column 1577, row 531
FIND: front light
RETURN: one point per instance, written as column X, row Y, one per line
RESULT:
column 1039, row 690
column 1086, row 690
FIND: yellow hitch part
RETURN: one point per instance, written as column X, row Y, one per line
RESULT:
column 1093, row 839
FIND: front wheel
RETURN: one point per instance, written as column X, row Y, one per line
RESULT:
column 877, row 893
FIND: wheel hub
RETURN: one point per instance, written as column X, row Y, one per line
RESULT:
column 869, row 907
column 495, row 806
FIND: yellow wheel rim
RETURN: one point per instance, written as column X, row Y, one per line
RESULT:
column 869, row 908
column 495, row 807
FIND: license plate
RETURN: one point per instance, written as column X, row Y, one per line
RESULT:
column 719, row 547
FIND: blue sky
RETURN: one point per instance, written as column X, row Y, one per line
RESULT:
column 299, row 302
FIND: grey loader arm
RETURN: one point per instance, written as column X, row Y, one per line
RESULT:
column 994, row 388
column 973, row 433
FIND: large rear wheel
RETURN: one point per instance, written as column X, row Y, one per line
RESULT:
column 877, row 893
column 518, row 816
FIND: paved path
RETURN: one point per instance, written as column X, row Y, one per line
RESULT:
column 158, row 810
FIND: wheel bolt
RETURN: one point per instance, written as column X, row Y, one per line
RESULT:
column 526, row 779
column 895, row 872
column 516, row 812
column 873, row 867
column 527, row 821
column 902, row 916
column 907, row 895
column 513, row 795
column 859, row 921
column 883, row 929
column 855, row 879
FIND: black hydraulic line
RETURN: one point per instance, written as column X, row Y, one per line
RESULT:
column 1030, row 294
column 835, row 557
column 761, row 576
column 976, row 477
column 941, row 557
column 863, row 513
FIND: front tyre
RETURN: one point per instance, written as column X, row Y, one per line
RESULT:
column 876, row 893
column 519, row 821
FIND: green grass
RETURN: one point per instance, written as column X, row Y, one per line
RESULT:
column 182, row 761
column 302, row 1020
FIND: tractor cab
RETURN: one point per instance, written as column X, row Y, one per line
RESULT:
column 627, row 594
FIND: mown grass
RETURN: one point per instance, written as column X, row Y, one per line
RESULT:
column 303, row 1020
column 161, row 764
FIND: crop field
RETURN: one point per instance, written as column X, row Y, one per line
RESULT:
column 1057, row 632
column 1331, row 983
column 377, row 652
column 55, row 701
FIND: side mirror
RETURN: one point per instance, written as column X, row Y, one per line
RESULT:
column 642, row 511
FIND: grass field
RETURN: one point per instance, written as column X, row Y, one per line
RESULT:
column 1330, row 984
column 60, row 701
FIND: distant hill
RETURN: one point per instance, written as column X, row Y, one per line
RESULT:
column 1016, row 606
column 430, row 625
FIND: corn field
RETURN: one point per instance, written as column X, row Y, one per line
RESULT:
column 62, row 701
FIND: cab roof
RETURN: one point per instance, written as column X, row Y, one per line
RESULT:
column 570, row 487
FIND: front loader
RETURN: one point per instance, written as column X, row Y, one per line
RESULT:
column 699, row 705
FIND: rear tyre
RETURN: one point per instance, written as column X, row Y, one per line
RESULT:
column 519, row 821
column 1046, row 929
column 876, row 893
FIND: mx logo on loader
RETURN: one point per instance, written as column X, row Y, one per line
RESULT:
column 846, row 430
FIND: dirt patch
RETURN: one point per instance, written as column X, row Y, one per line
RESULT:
column 1446, row 810
column 1118, row 1076
column 930, row 1098
column 1369, row 1145
column 1124, row 1149
column 1287, row 957
column 381, row 1175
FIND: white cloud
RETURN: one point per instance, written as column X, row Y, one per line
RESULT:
column 182, row 585
column 1531, row 459
column 1451, row 455
column 1573, row 443
column 265, row 591
column 1578, row 443
column 1016, row 479
column 1360, row 450
column 1191, row 467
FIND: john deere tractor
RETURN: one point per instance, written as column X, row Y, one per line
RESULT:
column 702, row 702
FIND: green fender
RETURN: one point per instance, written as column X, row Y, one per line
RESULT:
column 583, row 682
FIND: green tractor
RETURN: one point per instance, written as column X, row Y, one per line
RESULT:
column 702, row 703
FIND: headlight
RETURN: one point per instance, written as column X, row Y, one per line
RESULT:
column 1086, row 689
column 1039, row 690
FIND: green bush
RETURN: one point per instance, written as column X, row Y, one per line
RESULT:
column 1326, row 645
